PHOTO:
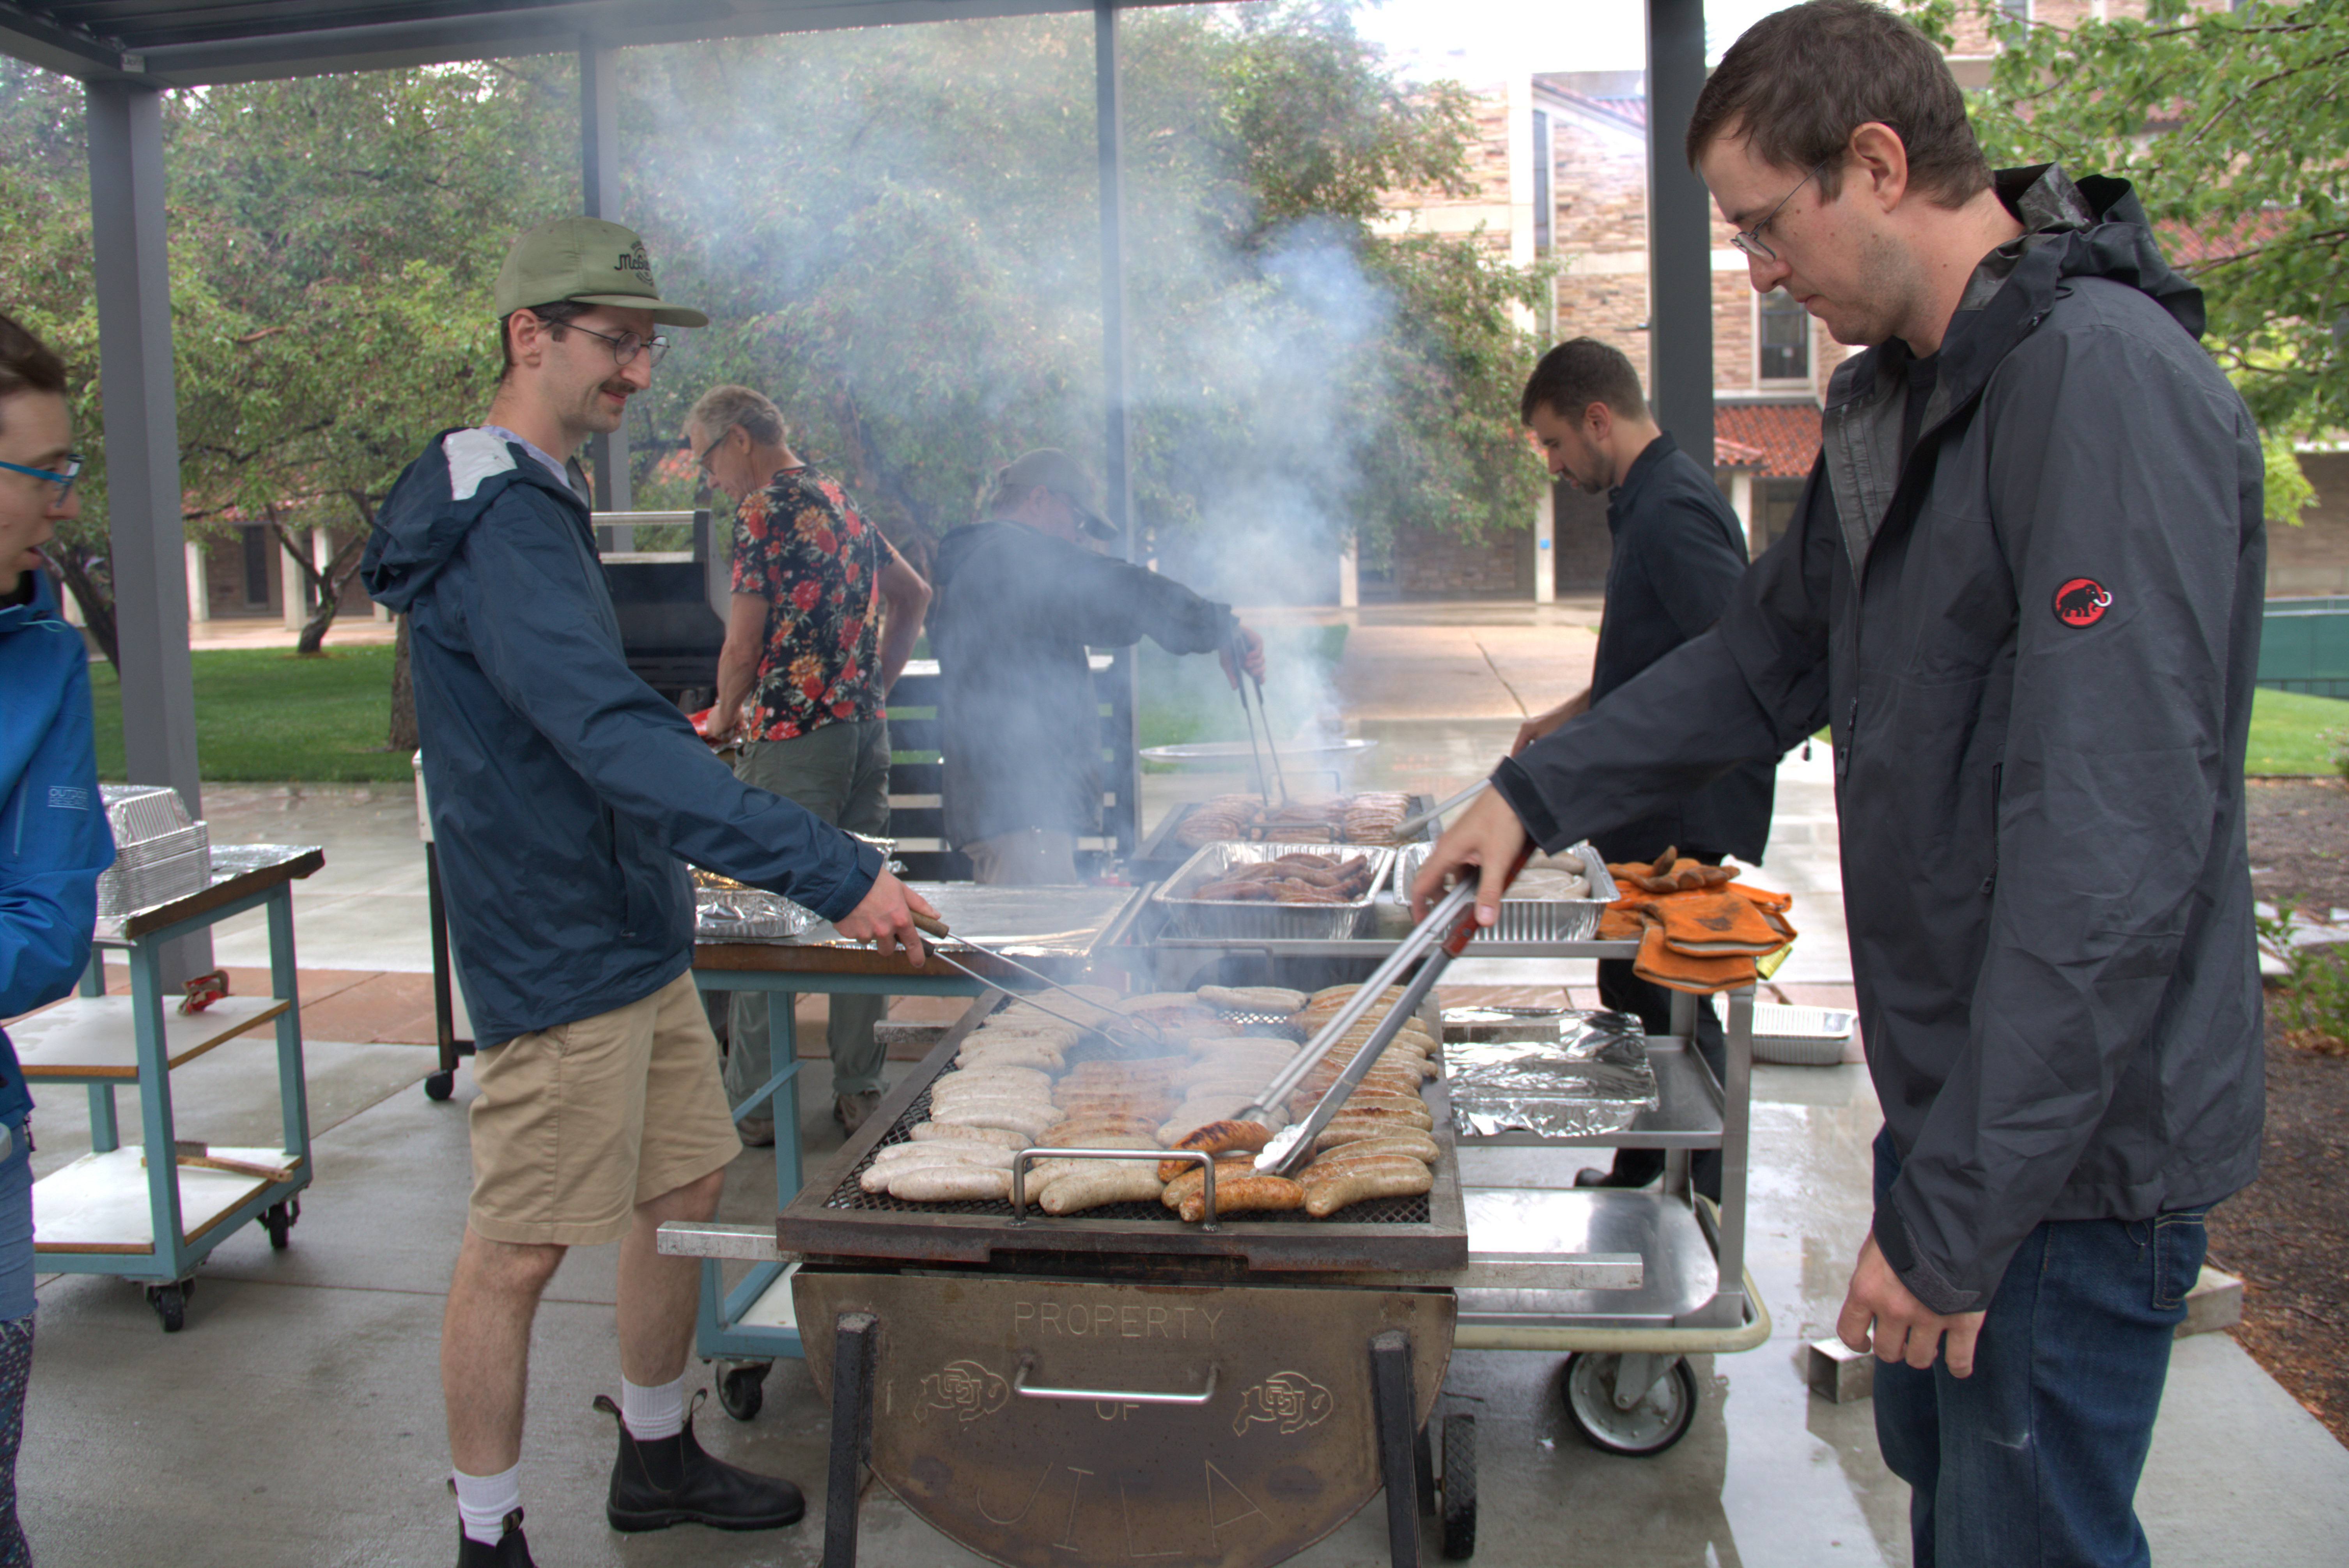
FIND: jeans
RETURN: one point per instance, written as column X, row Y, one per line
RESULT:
column 840, row 772
column 16, row 1327
column 2033, row 1461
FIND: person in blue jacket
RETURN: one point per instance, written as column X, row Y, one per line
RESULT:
column 54, row 839
column 565, row 796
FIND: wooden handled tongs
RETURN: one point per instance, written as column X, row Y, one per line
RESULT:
column 1448, row 928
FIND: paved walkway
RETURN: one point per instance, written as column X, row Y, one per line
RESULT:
column 296, row 1421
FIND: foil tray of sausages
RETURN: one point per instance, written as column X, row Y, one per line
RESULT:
column 1591, row 1078
column 1208, row 896
column 1557, row 898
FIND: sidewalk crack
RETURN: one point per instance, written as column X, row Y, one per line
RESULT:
column 1486, row 654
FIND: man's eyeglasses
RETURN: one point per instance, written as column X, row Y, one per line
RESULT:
column 1750, row 240
column 63, row 478
column 628, row 346
column 701, row 458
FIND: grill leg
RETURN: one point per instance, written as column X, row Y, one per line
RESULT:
column 852, row 1433
column 1391, row 1388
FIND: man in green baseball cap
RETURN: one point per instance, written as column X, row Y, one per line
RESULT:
column 564, row 793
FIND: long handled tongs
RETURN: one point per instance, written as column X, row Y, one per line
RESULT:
column 1412, row 824
column 1447, row 929
column 1128, row 1032
column 1241, row 680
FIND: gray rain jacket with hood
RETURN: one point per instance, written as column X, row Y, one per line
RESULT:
column 563, row 789
column 2035, row 638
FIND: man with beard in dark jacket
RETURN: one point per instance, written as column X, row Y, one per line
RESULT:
column 1019, row 601
column 2025, row 585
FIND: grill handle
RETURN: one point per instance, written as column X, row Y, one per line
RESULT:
column 1020, row 1160
column 1022, row 1386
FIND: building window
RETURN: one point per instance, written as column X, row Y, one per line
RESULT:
column 257, row 567
column 1544, row 207
column 1783, row 343
column 2018, row 9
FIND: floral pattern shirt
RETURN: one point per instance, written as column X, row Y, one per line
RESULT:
column 801, row 545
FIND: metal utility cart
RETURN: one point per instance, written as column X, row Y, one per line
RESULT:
column 119, row 1211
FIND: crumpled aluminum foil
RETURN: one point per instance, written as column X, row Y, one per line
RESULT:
column 747, row 914
column 1592, row 1079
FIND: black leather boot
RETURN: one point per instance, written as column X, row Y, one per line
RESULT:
column 511, row 1552
column 670, row 1480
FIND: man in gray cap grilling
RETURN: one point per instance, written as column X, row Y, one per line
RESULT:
column 1021, row 602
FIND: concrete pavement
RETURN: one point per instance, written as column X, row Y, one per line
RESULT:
column 296, row 1420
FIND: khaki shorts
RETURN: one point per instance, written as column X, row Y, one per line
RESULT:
column 578, row 1124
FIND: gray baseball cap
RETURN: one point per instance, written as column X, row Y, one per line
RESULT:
column 587, row 261
column 1061, row 474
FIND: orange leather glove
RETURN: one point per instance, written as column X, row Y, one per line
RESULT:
column 1660, row 963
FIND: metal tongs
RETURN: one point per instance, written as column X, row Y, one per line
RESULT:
column 1447, row 929
column 1241, row 679
column 1411, row 824
column 1148, row 1040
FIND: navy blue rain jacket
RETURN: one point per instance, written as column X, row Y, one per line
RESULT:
column 564, row 789
column 54, row 838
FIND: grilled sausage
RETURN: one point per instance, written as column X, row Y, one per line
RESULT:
column 949, row 1183
column 1002, row 1137
column 1020, row 1116
column 1075, row 1132
column 1406, row 1141
column 1344, row 1128
column 1099, row 1181
column 1404, row 1179
column 1215, row 1138
column 1244, row 1194
column 968, row 1152
column 1193, row 1179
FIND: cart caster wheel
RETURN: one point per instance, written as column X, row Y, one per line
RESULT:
column 170, row 1304
column 440, row 1085
column 278, row 1221
column 742, row 1390
column 1660, row 1418
column 1459, row 1488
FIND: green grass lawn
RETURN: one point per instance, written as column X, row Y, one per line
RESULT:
column 265, row 714
column 2292, row 732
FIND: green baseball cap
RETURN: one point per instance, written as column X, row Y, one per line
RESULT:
column 587, row 261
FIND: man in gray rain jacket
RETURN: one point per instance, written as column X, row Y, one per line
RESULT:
column 563, row 793
column 2025, row 585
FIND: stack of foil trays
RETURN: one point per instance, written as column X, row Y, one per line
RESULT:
column 1591, row 1077
column 159, row 854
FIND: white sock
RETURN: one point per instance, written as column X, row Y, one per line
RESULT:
column 653, row 1413
column 485, row 1500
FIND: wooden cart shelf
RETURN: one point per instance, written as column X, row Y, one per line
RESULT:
column 94, row 1038
column 99, row 1203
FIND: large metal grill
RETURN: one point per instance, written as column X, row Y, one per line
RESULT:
column 834, row 1216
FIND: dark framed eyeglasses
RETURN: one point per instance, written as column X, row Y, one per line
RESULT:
column 701, row 458
column 628, row 346
column 63, row 478
column 1750, row 240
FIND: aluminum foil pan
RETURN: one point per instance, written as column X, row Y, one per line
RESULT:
column 1592, row 1079
column 747, row 914
column 1529, row 919
column 1267, row 921
column 232, row 860
column 161, row 854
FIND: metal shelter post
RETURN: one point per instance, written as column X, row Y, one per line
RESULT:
column 599, row 197
column 1117, row 472
column 1680, row 234
column 145, row 516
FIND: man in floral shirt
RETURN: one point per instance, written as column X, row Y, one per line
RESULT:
column 825, row 613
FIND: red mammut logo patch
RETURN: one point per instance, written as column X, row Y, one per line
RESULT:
column 2082, row 602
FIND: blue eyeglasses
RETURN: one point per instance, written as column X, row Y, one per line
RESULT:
column 63, row 481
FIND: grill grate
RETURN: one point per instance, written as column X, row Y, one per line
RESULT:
column 850, row 1195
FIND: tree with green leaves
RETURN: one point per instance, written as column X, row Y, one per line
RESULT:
column 2234, row 127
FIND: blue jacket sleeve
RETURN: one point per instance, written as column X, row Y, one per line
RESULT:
column 54, row 843
column 534, row 635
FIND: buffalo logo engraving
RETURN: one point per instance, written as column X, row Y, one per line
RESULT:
column 1291, row 1399
column 964, row 1387
column 2082, row 602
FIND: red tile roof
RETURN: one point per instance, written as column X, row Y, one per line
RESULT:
column 1778, row 440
